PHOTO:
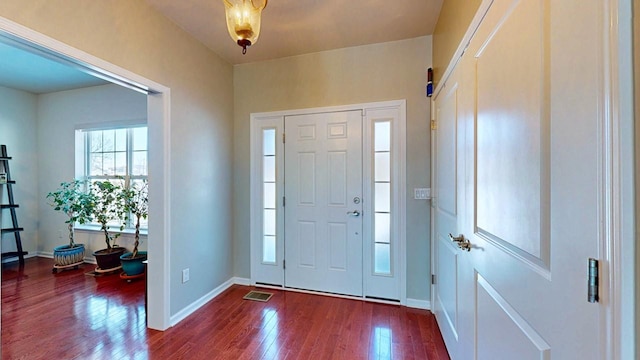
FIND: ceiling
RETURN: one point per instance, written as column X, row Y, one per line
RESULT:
column 23, row 70
column 289, row 28
column 295, row 27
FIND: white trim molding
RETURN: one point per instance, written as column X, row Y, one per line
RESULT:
column 618, row 215
column 419, row 304
column 194, row 306
column 241, row 281
column 15, row 258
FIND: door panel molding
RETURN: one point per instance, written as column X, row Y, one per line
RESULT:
column 512, row 332
column 447, row 294
column 512, row 130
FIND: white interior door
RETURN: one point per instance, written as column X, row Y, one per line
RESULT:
column 448, row 201
column 532, row 186
column 323, row 209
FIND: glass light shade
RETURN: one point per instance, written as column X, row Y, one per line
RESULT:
column 243, row 21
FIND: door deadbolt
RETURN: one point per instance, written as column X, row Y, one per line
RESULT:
column 356, row 200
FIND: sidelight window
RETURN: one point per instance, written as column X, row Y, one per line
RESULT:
column 269, row 196
column 382, row 197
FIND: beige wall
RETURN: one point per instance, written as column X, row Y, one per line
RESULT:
column 132, row 35
column 388, row 71
column 455, row 17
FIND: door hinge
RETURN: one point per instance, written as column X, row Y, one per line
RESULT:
column 283, row 138
column 284, row 264
column 592, row 282
column 283, row 201
column 434, row 126
column 433, row 279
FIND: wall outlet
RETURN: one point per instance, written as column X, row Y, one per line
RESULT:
column 422, row 193
column 185, row 275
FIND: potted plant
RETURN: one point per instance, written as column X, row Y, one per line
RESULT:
column 71, row 199
column 108, row 208
column 136, row 203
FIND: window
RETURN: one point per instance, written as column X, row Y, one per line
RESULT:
column 382, row 197
column 113, row 154
column 269, row 193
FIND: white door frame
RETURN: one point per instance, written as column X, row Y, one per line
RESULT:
column 620, row 246
column 158, row 121
column 618, row 231
column 259, row 121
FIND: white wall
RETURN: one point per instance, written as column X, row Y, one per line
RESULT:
column 18, row 131
column 379, row 72
column 59, row 114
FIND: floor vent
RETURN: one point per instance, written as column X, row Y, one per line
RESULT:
column 258, row 296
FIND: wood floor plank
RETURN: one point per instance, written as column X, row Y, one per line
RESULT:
column 70, row 315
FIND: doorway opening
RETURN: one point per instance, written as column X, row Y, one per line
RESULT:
column 158, row 120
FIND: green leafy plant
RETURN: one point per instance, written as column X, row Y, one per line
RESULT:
column 136, row 202
column 71, row 199
column 108, row 207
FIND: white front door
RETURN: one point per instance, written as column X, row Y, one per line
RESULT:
column 323, row 208
column 532, row 186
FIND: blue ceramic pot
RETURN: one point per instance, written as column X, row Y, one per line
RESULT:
column 133, row 266
column 64, row 255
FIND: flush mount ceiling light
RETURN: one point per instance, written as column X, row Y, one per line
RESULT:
column 243, row 21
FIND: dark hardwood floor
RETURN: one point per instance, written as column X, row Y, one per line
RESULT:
column 73, row 316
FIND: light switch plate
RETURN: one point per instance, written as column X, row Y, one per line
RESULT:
column 422, row 193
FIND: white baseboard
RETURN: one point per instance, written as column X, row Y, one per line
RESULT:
column 241, row 281
column 15, row 258
column 419, row 304
column 48, row 254
column 45, row 254
column 194, row 306
column 182, row 314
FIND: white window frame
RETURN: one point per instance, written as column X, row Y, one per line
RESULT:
column 379, row 285
column 83, row 154
column 266, row 273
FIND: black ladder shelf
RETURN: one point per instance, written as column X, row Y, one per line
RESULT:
column 5, row 179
